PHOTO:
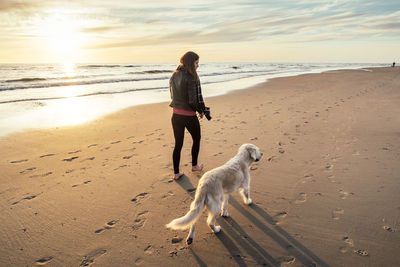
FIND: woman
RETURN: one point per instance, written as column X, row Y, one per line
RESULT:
column 187, row 99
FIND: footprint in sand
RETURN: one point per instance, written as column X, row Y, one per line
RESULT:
column 27, row 170
column 89, row 259
column 92, row 145
column 283, row 261
column 253, row 167
column 173, row 253
column 343, row 194
column 91, row 158
column 47, row 155
column 25, row 198
column 388, row 228
column 70, row 159
column 138, row 223
column 348, row 241
column 74, row 152
column 278, row 218
column 329, row 167
column 169, row 194
column 120, row 167
column 86, row 182
column 302, row 197
column 336, row 213
column 148, row 250
column 176, row 240
column 18, row 161
column 40, row 175
column 331, row 178
column 130, row 156
column 140, row 220
column 307, row 178
column 139, row 197
column 108, row 226
column 44, row 260
column 139, row 261
column 361, row 252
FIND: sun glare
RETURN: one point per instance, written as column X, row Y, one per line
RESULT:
column 62, row 38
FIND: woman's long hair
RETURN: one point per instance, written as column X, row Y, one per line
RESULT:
column 187, row 64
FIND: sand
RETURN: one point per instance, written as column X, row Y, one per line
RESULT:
column 326, row 192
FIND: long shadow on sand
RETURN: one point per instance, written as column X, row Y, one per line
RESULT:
column 234, row 238
column 280, row 236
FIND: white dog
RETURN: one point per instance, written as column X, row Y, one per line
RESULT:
column 214, row 188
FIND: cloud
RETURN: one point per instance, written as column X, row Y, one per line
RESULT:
column 102, row 29
column 125, row 23
column 11, row 6
column 389, row 26
column 309, row 26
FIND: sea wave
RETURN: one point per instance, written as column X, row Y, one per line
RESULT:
column 151, row 72
column 81, row 95
column 41, row 79
column 99, row 66
column 109, row 66
column 26, row 80
column 87, row 82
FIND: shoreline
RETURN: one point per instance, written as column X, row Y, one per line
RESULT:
column 325, row 192
column 62, row 111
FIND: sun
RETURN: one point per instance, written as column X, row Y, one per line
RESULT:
column 62, row 38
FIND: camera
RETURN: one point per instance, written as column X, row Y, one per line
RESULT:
column 207, row 113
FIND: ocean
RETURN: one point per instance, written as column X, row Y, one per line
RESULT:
column 53, row 95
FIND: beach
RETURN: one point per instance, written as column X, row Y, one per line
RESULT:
column 325, row 193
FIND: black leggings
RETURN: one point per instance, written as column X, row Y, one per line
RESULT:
column 179, row 123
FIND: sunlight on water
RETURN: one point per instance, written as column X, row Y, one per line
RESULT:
column 69, row 68
column 69, row 91
column 69, row 111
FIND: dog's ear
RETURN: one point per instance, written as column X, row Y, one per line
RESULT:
column 252, row 152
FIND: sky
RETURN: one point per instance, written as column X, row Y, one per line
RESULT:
column 130, row 31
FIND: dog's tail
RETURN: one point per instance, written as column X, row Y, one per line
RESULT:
column 193, row 214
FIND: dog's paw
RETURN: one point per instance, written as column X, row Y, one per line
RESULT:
column 217, row 229
column 224, row 213
column 189, row 241
column 249, row 201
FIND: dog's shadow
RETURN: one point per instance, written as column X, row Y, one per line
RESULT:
column 232, row 231
column 269, row 227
